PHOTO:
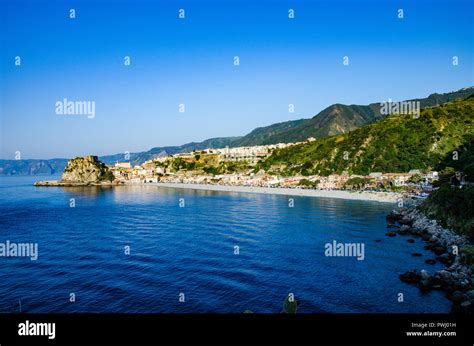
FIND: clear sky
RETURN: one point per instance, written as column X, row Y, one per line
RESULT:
column 190, row 61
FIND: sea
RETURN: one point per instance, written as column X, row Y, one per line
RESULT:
column 150, row 249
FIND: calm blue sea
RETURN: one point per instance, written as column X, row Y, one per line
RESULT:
column 190, row 250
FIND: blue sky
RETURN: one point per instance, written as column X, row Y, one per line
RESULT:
column 190, row 61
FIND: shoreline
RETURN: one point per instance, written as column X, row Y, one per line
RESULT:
column 383, row 197
column 56, row 183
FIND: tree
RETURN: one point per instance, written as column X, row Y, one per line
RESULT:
column 469, row 172
column 308, row 183
column 356, row 183
column 415, row 179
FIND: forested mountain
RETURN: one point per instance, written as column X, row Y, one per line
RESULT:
column 398, row 143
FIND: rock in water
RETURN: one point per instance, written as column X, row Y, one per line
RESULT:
column 411, row 276
column 290, row 306
column 456, row 297
column 85, row 170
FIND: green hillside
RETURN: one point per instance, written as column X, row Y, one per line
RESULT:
column 335, row 119
column 397, row 143
column 274, row 133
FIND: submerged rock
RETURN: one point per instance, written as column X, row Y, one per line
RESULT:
column 444, row 275
column 405, row 221
column 446, row 258
column 411, row 276
column 456, row 297
column 438, row 250
column 470, row 294
column 394, row 216
column 290, row 305
column 424, row 274
column 404, row 230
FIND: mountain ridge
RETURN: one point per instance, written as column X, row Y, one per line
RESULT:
column 396, row 144
column 332, row 120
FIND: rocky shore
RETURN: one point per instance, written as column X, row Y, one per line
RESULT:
column 458, row 276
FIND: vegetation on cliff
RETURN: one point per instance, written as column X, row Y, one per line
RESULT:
column 86, row 169
column 335, row 119
column 204, row 163
column 398, row 143
column 453, row 204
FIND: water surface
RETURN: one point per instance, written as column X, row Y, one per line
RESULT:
column 191, row 249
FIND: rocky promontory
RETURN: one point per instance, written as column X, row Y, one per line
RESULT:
column 83, row 171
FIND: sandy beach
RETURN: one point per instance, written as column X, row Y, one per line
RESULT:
column 385, row 197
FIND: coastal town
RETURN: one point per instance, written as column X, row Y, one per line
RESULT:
column 202, row 167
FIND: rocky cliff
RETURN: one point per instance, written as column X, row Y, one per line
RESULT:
column 85, row 170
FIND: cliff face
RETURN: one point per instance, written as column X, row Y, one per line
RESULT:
column 86, row 169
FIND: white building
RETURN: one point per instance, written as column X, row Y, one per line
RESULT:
column 123, row 165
